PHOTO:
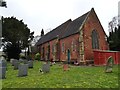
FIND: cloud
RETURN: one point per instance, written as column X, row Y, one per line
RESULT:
column 38, row 14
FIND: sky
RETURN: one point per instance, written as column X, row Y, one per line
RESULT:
column 48, row 14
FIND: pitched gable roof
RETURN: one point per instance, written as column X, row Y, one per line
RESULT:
column 57, row 32
column 74, row 26
column 64, row 30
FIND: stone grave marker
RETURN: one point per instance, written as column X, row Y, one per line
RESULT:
column 23, row 70
column 3, row 62
column 12, row 61
column 3, row 66
column 16, row 64
column 65, row 66
column 2, row 72
column 46, row 68
column 21, row 60
column 30, row 64
column 109, row 65
column 25, row 61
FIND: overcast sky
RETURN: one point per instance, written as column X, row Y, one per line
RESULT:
column 48, row 14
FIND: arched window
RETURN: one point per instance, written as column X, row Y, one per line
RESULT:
column 63, row 47
column 95, row 40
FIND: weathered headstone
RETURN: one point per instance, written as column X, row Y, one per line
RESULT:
column 13, row 61
column 3, row 62
column 109, row 65
column 16, row 64
column 46, row 68
column 3, row 66
column 30, row 64
column 23, row 70
column 21, row 60
column 65, row 66
column 25, row 61
column 2, row 72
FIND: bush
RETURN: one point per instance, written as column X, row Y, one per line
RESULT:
column 37, row 56
column 22, row 56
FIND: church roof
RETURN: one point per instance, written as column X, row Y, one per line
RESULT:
column 64, row 30
column 57, row 32
column 74, row 26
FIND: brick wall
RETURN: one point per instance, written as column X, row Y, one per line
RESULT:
column 92, row 23
column 68, row 42
column 45, row 45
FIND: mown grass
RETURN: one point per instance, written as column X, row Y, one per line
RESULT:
column 76, row 77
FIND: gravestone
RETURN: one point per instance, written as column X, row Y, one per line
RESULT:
column 46, row 68
column 3, row 66
column 3, row 62
column 16, row 64
column 21, row 60
column 109, row 65
column 30, row 64
column 13, row 61
column 65, row 66
column 25, row 61
column 2, row 72
column 23, row 70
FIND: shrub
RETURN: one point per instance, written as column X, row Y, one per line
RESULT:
column 22, row 56
column 37, row 56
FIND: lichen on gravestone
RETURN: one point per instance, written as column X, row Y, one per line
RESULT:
column 109, row 65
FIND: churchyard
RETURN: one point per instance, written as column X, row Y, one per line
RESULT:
column 57, row 77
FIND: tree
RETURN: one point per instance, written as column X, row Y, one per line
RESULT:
column 29, row 42
column 16, row 34
column 114, row 34
column 3, row 3
column 114, row 39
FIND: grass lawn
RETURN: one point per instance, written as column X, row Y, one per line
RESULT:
column 76, row 77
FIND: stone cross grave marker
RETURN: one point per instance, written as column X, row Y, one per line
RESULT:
column 109, row 65
column 46, row 68
column 23, row 70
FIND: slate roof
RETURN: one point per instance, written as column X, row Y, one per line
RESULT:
column 57, row 32
column 74, row 26
column 64, row 30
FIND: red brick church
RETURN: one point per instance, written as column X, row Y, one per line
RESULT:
column 74, row 40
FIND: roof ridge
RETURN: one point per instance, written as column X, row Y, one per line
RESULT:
column 58, row 27
column 65, row 29
column 54, row 33
column 82, row 15
column 74, row 26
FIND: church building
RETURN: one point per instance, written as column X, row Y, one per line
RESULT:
column 74, row 40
